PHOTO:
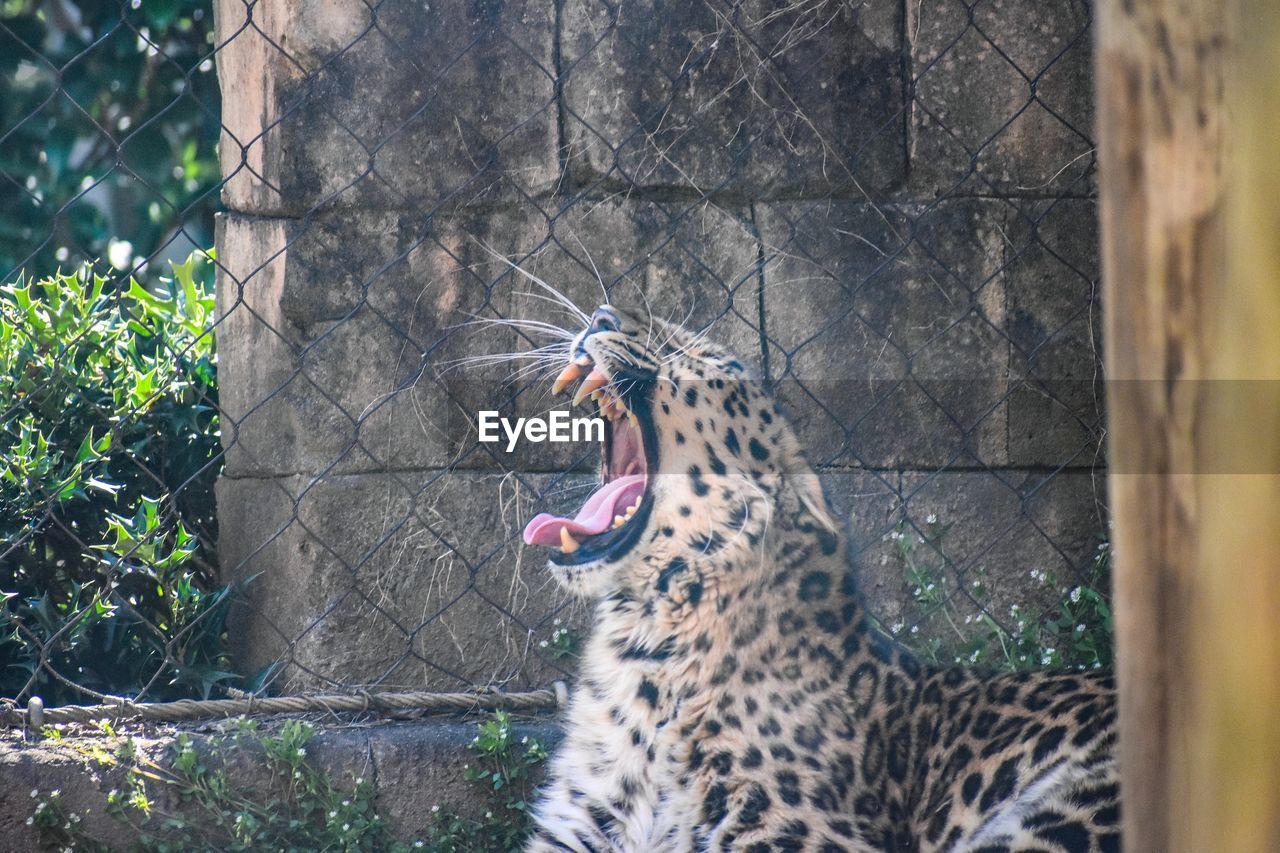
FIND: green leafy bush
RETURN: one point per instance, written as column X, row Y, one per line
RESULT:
column 108, row 451
column 110, row 119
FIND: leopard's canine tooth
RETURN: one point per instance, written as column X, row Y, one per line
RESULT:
column 595, row 379
column 570, row 373
column 567, row 543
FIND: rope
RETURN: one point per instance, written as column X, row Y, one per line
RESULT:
column 36, row 715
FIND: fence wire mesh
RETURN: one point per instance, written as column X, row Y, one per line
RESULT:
column 885, row 208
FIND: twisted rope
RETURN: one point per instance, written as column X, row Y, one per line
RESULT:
column 36, row 715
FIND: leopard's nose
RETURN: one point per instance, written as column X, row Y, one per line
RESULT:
column 604, row 319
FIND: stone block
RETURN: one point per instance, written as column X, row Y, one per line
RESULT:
column 1003, row 100
column 759, row 98
column 422, row 765
column 885, row 330
column 868, row 504
column 83, row 783
column 391, row 581
column 1000, row 527
column 340, row 339
column 417, row 106
column 1055, row 327
column 336, row 341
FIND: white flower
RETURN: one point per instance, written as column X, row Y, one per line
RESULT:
column 932, row 518
column 346, row 827
column 30, row 821
column 1080, row 628
column 35, row 792
column 333, row 814
column 1075, row 595
column 896, row 627
column 435, row 808
column 915, row 629
column 542, row 644
column 302, row 752
column 555, row 621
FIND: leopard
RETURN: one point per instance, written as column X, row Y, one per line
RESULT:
column 735, row 692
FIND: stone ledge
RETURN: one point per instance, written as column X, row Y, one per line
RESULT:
column 413, row 766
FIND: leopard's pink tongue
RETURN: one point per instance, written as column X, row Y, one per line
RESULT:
column 596, row 514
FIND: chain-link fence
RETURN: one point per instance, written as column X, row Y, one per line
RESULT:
column 885, row 208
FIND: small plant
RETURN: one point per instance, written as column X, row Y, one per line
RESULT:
column 1075, row 632
column 503, row 770
column 56, row 824
column 301, row 809
column 561, row 644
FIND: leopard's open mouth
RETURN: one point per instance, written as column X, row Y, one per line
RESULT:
column 615, row 513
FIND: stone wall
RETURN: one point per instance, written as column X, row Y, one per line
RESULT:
column 886, row 207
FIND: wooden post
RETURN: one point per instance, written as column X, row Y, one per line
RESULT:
column 1191, row 288
column 1236, row 760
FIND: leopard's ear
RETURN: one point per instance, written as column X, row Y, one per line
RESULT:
column 814, row 500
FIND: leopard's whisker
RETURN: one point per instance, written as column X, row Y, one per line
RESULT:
column 555, row 303
column 604, row 291
column 564, row 300
column 516, row 323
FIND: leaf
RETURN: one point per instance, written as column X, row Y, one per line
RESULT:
column 102, row 486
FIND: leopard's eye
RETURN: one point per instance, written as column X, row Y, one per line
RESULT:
column 604, row 320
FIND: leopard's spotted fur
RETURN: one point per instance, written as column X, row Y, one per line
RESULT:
column 734, row 695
